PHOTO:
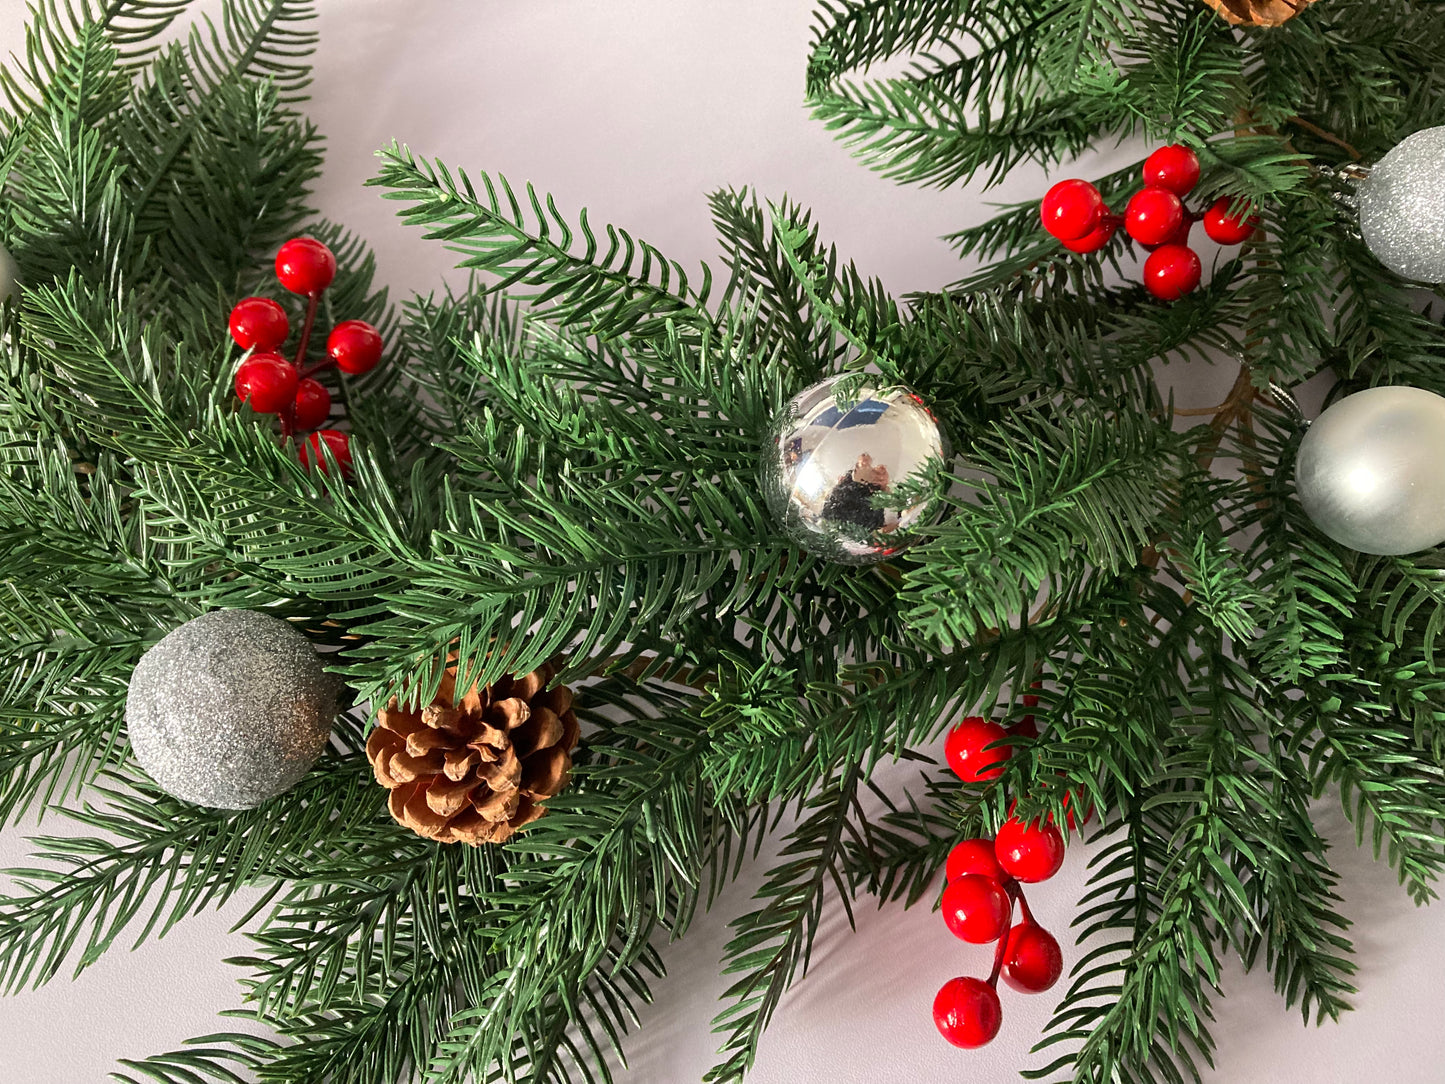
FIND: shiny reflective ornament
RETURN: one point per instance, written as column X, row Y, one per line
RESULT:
column 850, row 475
column 1371, row 471
column 1402, row 207
column 230, row 709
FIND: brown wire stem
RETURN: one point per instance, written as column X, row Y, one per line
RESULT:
column 1329, row 137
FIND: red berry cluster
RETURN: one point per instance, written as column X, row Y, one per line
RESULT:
column 984, row 880
column 270, row 382
column 1075, row 213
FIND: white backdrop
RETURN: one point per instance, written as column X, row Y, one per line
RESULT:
column 636, row 109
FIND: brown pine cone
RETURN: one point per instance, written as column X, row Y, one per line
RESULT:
column 1258, row 12
column 475, row 770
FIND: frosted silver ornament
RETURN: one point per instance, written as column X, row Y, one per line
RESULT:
column 230, row 709
column 1402, row 207
column 848, row 478
column 1371, row 470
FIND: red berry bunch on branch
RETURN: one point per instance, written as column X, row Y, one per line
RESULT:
column 273, row 384
column 984, row 881
column 1156, row 217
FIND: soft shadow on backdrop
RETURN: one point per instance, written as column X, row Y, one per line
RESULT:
column 637, row 109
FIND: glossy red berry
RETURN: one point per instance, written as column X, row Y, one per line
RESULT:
column 1029, row 852
column 267, row 381
column 355, row 346
column 976, row 908
column 1032, row 961
column 1102, row 234
column 305, row 266
column 1181, row 235
column 966, row 1012
column 1153, row 216
column 1069, row 812
column 967, row 752
column 1226, row 228
column 310, row 450
column 1026, row 727
column 1171, row 271
column 972, row 856
column 259, row 322
column 1174, row 167
column 313, row 405
column 1071, row 209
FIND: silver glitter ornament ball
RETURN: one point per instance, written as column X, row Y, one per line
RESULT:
column 1402, row 207
column 848, row 478
column 230, row 709
column 1371, row 470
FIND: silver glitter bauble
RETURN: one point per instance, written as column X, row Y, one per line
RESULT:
column 848, row 479
column 1402, row 207
column 230, row 709
column 1371, row 471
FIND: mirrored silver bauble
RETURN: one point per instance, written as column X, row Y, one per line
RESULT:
column 230, row 709
column 1402, row 207
column 849, row 478
column 1371, row 470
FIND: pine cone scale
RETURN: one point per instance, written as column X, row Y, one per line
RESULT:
column 475, row 770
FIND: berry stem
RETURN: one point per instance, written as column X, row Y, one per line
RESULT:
column 1011, row 887
column 315, row 299
column 288, row 416
column 311, row 370
column 1016, row 892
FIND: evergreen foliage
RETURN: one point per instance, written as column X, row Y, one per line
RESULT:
column 562, row 460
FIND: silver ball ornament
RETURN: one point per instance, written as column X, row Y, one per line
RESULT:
column 1402, row 207
column 1371, row 470
column 230, row 709
column 849, row 477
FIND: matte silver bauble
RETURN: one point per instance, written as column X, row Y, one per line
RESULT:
column 849, row 478
column 230, row 709
column 1371, row 471
column 1402, row 207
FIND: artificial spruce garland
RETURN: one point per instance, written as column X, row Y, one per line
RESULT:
column 583, row 469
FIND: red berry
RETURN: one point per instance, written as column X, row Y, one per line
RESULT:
column 1069, row 812
column 972, row 856
column 355, row 346
column 976, row 908
column 1228, row 229
column 1071, row 209
column 966, row 1012
column 305, row 266
column 310, row 450
column 1029, row 852
column 1153, row 215
column 1181, row 235
column 1031, row 700
column 966, row 750
column 1174, row 167
column 1032, row 961
column 1171, row 271
column 259, row 322
column 313, row 405
column 1026, row 727
column 1102, row 234
column 267, row 382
